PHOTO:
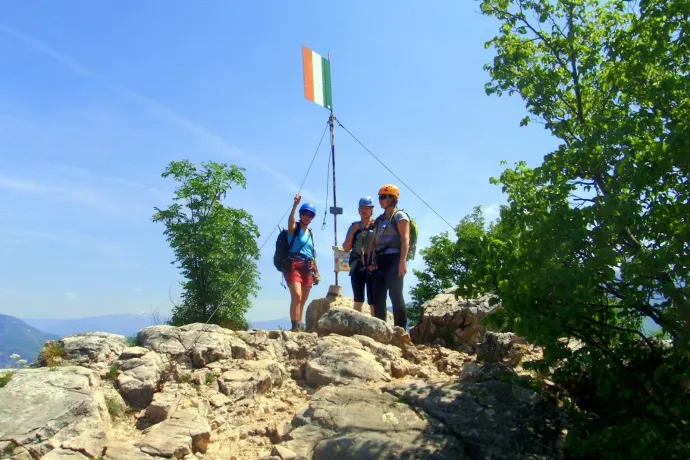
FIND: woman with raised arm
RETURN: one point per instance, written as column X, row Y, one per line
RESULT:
column 301, row 271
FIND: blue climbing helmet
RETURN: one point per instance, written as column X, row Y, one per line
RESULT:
column 308, row 207
column 366, row 201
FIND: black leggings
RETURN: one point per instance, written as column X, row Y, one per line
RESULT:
column 359, row 279
column 385, row 280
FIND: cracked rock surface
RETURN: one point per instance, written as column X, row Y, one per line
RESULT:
column 50, row 408
column 355, row 388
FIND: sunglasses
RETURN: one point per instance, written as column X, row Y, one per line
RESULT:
column 385, row 197
column 307, row 214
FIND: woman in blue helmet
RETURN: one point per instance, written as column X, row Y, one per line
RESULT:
column 357, row 242
column 301, row 271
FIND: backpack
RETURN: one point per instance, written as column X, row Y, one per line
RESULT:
column 356, row 255
column 283, row 247
column 414, row 231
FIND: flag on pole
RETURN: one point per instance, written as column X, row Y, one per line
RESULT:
column 317, row 78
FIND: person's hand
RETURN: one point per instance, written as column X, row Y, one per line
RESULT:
column 402, row 268
column 298, row 198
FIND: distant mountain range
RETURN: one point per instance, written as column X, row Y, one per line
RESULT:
column 125, row 324
column 18, row 337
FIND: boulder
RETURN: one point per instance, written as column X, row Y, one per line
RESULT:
column 200, row 343
column 454, row 322
column 342, row 360
column 362, row 423
column 348, row 322
column 318, row 307
column 54, row 408
column 493, row 419
column 247, row 379
column 139, row 378
column 125, row 451
column 95, row 350
column 184, row 433
column 500, row 347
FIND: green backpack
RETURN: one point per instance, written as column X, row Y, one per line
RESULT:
column 414, row 231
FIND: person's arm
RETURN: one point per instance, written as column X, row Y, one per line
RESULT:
column 404, row 229
column 347, row 245
column 291, row 219
column 372, row 246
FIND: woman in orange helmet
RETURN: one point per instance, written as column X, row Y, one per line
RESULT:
column 388, row 255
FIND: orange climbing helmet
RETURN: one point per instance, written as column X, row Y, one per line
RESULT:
column 390, row 189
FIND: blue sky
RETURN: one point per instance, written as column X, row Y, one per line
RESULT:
column 97, row 98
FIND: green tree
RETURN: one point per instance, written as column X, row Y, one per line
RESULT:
column 595, row 239
column 214, row 244
column 447, row 260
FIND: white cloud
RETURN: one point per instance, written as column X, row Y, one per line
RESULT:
column 492, row 211
column 70, row 295
column 110, row 202
column 211, row 139
column 109, row 248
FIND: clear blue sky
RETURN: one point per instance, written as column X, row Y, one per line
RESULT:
column 96, row 98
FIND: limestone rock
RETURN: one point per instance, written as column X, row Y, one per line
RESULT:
column 494, row 419
column 185, row 432
column 64, row 454
column 247, row 379
column 138, row 378
column 318, row 307
column 125, row 451
column 49, row 408
column 95, row 350
column 348, row 322
column 200, row 343
column 453, row 321
column 342, row 360
column 500, row 347
column 363, row 423
column 162, row 406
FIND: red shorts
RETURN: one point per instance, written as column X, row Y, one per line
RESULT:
column 299, row 271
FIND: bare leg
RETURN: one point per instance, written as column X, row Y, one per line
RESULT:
column 371, row 310
column 295, row 301
column 303, row 300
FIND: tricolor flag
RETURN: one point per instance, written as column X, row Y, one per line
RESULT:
column 317, row 78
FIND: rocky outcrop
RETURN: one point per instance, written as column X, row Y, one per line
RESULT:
column 95, row 350
column 453, row 322
column 348, row 322
column 364, row 423
column 139, row 376
column 490, row 418
column 54, row 409
column 184, row 433
column 355, row 387
column 342, row 360
column 500, row 347
column 319, row 307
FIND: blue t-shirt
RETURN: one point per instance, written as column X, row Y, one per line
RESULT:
column 303, row 243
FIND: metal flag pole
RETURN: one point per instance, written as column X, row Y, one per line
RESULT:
column 317, row 88
column 335, row 210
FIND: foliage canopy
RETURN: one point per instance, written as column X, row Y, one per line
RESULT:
column 596, row 238
column 214, row 244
